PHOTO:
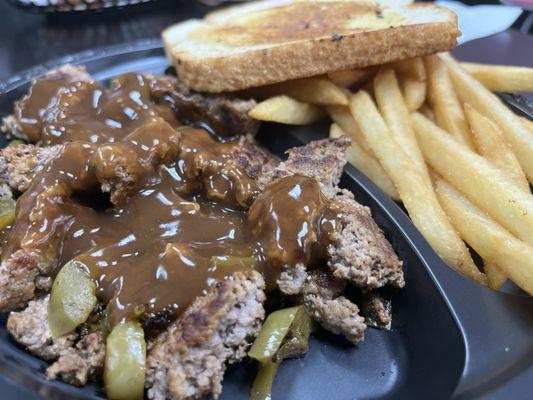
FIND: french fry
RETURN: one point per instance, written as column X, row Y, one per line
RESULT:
column 351, row 77
column 418, row 197
column 286, row 110
column 341, row 116
column 367, row 164
column 491, row 144
column 449, row 113
column 488, row 238
column 427, row 112
column 495, row 275
column 412, row 68
column 502, row 78
column 414, row 93
column 394, row 111
column 473, row 92
column 484, row 184
column 318, row 91
column 527, row 123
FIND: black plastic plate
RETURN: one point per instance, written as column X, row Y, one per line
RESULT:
column 450, row 337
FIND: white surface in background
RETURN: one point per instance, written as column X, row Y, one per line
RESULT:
column 479, row 21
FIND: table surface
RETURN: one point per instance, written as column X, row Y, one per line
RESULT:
column 29, row 39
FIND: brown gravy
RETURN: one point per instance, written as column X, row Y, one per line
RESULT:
column 176, row 200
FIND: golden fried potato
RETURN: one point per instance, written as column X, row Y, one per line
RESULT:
column 394, row 111
column 286, row 110
column 366, row 163
column 478, row 179
column 491, row 144
column 449, row 113
column 490, row 240
column 474, row 93
column 418, row 197
column 502, row 78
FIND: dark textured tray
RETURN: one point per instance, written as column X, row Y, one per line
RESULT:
column 450, row 336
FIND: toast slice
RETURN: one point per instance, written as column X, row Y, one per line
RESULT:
column 269, row 41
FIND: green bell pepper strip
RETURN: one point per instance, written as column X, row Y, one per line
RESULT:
column 72, row 300
column 125, row 362
column 271, row 336
column 295, row 343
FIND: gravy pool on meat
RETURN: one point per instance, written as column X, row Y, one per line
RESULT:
column 177, row 200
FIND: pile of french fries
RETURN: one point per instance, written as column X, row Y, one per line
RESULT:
column 429, row 132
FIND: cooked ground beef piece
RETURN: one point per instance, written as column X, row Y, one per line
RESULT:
column 81, row 362
column 225, row 115
column 360, row 252
column 76, row 360
column 20, row 164
column 320, row 159
column 11, row 126
column 322, row 298
column 292, row 279
column 29, row 269
column 188, row 360
column 255, row 160
column 18, row 278
column 30, row 328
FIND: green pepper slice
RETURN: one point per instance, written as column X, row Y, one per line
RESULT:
column 271, row 336
column 72, row 300
column 294, row 343
column 125, row 358
column 262, row 386
column 7, row 211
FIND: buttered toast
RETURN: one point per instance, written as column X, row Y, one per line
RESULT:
column 270, row 41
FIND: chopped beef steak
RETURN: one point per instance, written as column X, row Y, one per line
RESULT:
column 188, row 360
column 337, row 314
column 291, row 280
column 225, row 115
column 255, row 160
column 75, row 362
column 74, row 73
column 377, row 310
column 11, row 126
column 320, row 159
column 360, row 253
column 29, row 327
column 18, row 278
column 84, row 361
column 20, row 164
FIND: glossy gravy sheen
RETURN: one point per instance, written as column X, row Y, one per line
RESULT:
column 145, row 205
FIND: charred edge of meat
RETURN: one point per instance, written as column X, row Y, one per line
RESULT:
column 222, row 114
column 323, row 160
